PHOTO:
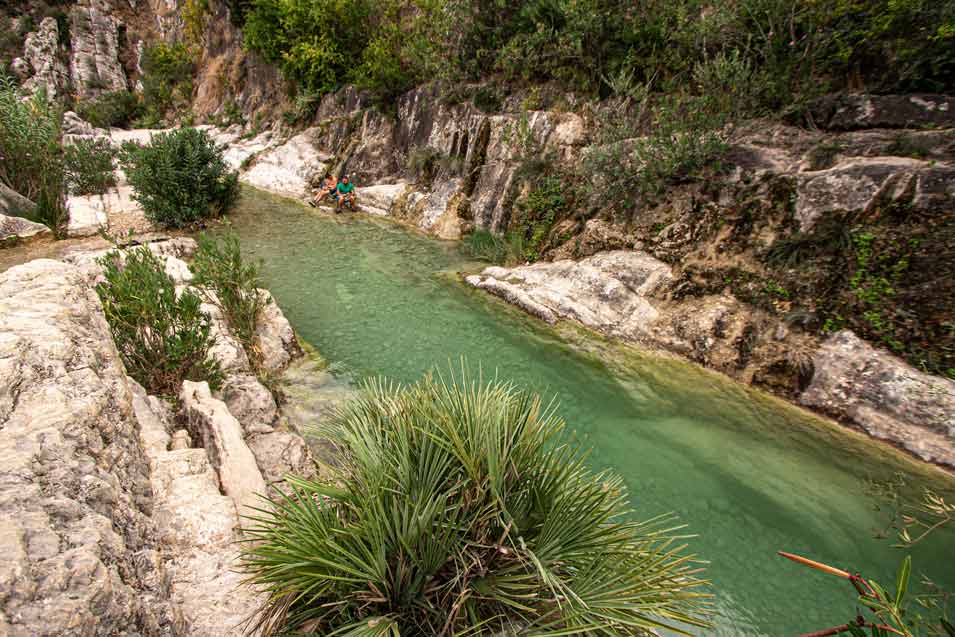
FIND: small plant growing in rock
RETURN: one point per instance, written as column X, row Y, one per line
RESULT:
column 232, row 285
column 90, row 166
column 163, row 338
column 180, row 178
column 459, row 507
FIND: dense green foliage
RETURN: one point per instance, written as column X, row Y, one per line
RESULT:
column 163, row 337
column 220, row 269
column 459, row 507
column 774, row 48
column 31, row 157
column 107, row 110
column 507, row 249
column 167, row 80
column 90, row 166
column 180, row 178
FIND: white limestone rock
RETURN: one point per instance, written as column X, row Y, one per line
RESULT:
column 18, row 229
column 250, row 402
column 282, row 453
column 41, row 54
column 379, row 198
column 276, row 338
column 607, row 292
column 94, row 51
column 885, row 396
column 222, row 437
column 288, row 169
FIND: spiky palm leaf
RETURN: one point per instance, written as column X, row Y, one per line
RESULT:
column 460, row 508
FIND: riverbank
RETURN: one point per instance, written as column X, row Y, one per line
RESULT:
column 124, row 509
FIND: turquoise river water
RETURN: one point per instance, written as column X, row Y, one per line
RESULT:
column 747, row 473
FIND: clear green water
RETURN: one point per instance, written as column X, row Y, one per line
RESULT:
column 748, row 473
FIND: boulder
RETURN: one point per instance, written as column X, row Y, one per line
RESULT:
column 607, row 292
column 13, row 204
column 276, row 338
column 250, row 402
column 41, row 52
column 872, row 183
column 221, row 435
column 885, row 396
column 378, row 199
column 18, row 229
column 76, row 126
column 858, row 111
column 94, row 51
column 281, row 453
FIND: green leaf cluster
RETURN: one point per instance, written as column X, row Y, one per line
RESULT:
column 180, row 178
column 163, row 337
column 90, row 166
column 459, row 507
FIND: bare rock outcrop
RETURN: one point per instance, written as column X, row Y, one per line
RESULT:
column 859, row 111
column 75, row 495
column 886, row 397
column 223, row 439
column 18, row 229
column 276, row 337
column 95, row 49
column 288, row 169
column 41, row 56
column 607, row 292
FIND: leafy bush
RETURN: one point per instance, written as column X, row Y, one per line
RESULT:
column 459, row 507
column 163, row 338
column 685, row 136
column 114, row 109
column 90, row 166
column 31, row 157
column 167, row 80
column 220, row 269
column 180, row 178
column 537, row 213
column 507, row 249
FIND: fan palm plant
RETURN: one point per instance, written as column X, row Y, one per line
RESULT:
column 460, row 508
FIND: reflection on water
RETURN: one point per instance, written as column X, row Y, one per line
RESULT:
column 747, row 473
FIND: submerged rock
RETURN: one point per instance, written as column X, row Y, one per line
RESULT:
column 884, row 396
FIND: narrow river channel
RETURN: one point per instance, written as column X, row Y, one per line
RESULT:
column 747, row 473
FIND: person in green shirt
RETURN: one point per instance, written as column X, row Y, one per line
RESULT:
column 346, row 193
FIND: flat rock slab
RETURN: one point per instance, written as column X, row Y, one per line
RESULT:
column 91, row 213
column 885, row 396
column 18, row 229
column 607, row 292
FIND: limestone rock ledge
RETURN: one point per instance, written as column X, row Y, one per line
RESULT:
column 112, row 525
column 623, row 294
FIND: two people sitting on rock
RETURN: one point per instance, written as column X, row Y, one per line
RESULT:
column 343, row 192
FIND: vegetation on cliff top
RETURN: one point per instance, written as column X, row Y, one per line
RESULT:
column 793, row 48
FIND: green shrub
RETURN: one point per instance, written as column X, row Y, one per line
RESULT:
column 31, row 157
column 460, row 507
column 180, row 178
column 685, row 136
column 537, row 213
column 507, row 249
column 167, row 80
column 234, row 284
column 163, row 338
column 115, row 109
column 90, row 166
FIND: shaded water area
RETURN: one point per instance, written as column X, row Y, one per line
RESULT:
column 746, row 472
